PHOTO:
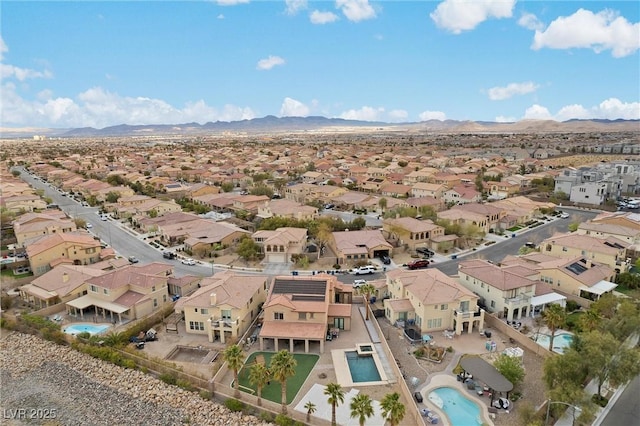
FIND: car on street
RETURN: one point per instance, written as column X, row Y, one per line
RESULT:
column 133, row 259
column 564, row 215
column 89, row 225
column 359, row 283
column 363, row 270
column 418, row 264
column 169, row 255
column 188, row 262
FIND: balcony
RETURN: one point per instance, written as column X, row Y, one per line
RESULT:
column 224, row 323
column 467, row 314
column 521, row 299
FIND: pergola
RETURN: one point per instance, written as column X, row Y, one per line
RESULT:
column 487, row 374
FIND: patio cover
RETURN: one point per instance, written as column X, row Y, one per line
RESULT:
column 600, row 287
column 85, row 301
column 548, row 298
column 486, row 373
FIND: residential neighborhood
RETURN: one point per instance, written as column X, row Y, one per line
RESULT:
column 408, row 257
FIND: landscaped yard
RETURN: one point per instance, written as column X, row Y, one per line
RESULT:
column 272, row 391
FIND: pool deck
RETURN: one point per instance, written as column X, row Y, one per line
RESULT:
column 446, row 380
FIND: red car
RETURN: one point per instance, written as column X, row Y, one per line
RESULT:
column 418, row 264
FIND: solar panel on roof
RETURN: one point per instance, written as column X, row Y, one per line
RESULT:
column 284, row 286
column 576, row 268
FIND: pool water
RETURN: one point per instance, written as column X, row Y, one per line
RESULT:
column 91, row 328
column 561, row 341
column 460, row 410
column 363, row 368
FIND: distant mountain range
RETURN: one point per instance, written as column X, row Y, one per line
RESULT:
column 272, row 124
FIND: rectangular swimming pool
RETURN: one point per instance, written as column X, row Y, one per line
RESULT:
column 362, row 367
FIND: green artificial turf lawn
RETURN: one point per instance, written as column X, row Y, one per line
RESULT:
column 272, row 391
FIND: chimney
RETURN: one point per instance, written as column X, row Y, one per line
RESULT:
column 214, row 299
column 65, row 277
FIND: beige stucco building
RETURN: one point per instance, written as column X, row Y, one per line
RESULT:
column 76, row 248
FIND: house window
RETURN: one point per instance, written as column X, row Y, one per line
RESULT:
column 434, row 323
column 302, row 316
column 153, row 288
column 164, row 298
column 444, row 307
column 204, row 311
column 105, row 291
column 155, row 303
column 94, row 289
column 225, row 313
column 493, row 303
column 278, row 316
column 196, row 325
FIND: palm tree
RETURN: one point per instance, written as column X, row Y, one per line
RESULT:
column 367, row 290
column 234, row 357
column 361, row 407
column 392, row 409
column 259, row 376
column 336, row 397
column 554, row 316
column 282, row 366
column 311, row 408
column 590, row 320
column 382, row 202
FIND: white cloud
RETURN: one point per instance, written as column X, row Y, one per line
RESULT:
column 3, row 48
column 356, row 10
column 221, row 16
column 432, row 115
column 295, row 6
column 512, row 89
column 270, row 62
column 530, row 22
column 320, row 18
column 22, row 74
column 537, row 112
column 99, row 108
column 503, row 119
column 365, row 113
column 585, row 29
column 230, row 2
column 292, row 108
column 463, row 15
column 397, row 115
column 611, row 109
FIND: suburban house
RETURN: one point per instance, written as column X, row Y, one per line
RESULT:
column 184, row 285
column 576, row 276
column 225, row 306
column 508, row 291
column 215, row 234
column 425, row 189
column 279, row 245
column 609, row 251
column 60, row 285
column 20, row 203
column 75, row 248
column 429, row 301
column 461, row 194
column 411, row 232
column 124, row 294
column 287, row 209
column 491, row 214
column 303, row 310
column 465, row 217
column 353, row 246
column 29, row 226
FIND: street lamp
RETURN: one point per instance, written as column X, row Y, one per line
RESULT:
column 573, row 414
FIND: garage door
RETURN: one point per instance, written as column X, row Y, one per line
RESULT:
column 277, row 258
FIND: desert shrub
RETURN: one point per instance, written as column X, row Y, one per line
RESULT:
column 419, row 352
column 267, row 417
column 6, row 302
column 128, row 363
column 84, row 335
column 206, row 395
column 234, row 405
column 599, row 399
column 184, row 384
column 168, row 378
column 572, row 305
column 283, row 420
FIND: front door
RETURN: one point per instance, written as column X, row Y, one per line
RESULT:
column 338, row 323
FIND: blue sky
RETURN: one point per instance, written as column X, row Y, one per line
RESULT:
column 77, row 64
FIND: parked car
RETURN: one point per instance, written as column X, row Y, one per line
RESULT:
column 169, row 255
column 418, row 264
column 384, row 258
column 188, row 262
column 133, row 259
column 564, row 215
column 359, row 283
column 424, row 251
column 367, row 269
column 417, row 396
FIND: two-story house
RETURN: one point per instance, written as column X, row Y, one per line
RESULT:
column 280, row 244
column 30, row 226
column 302, row 311
column 610, row 251
column 412, row 232
column 431, row 301
column 75, row 248
column 225, row 306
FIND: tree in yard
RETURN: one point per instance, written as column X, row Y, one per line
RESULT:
column 112, row 196
column 590, row 320
column 226, row 187
column 554, row 317
column 282, row 366
column 259, row 376
column 15, row 173
column 311, row 408
column 323, row 237
column 510, row 367
column 383, row 204
column 80, row 223
column 607, row 360
column 248, row 249
column 234, row 357
column 361, row 407
column 336, row 397
column 366, row 290
column 392, row 409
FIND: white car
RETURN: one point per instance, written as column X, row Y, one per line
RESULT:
column 359, row 283
column 188, row 262
column 367, row 269
column 564, row 215
column 89, row 225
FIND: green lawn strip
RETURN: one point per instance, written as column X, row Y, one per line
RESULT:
column 272, row 391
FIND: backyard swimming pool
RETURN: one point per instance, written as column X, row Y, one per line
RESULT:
column 362, row 367
column 93, row 329
column 460, row 410
column 561, row 341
